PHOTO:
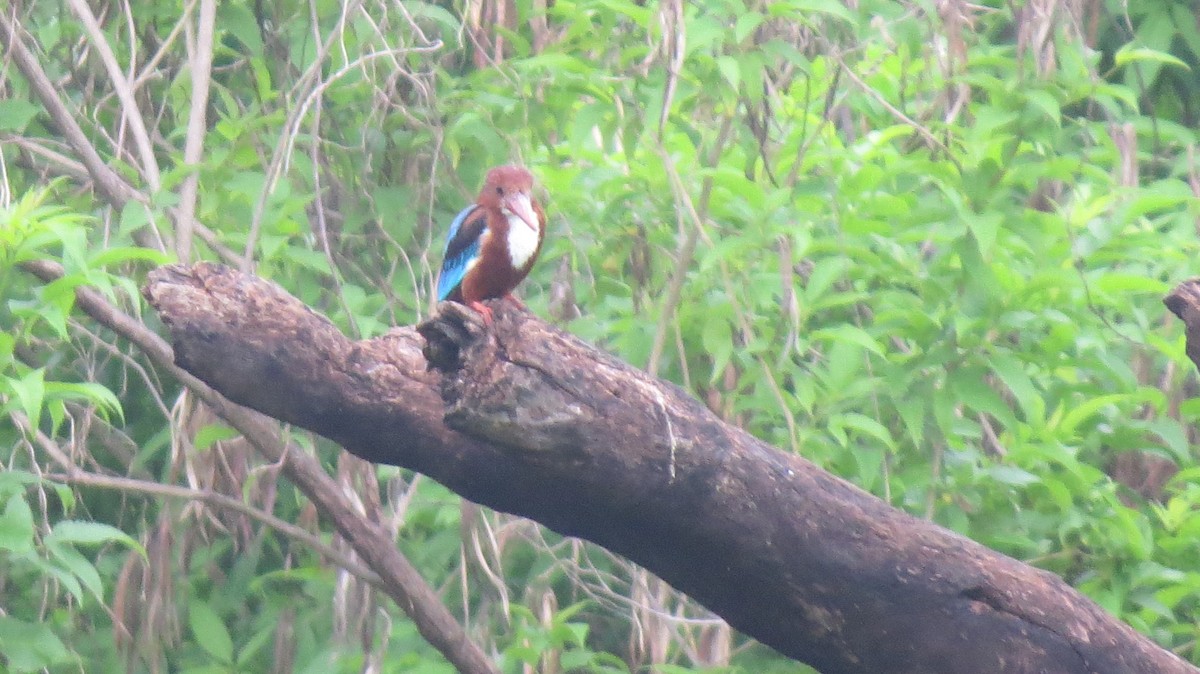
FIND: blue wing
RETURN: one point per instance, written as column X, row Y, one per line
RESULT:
column 462, row 247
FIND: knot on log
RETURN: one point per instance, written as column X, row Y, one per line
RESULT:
column 451, row 330
column 497, row 383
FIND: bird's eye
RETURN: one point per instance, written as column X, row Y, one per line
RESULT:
column 500, row 191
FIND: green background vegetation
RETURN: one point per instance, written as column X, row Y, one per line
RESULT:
column 922, row 244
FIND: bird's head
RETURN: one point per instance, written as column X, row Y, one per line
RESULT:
column 509, row 189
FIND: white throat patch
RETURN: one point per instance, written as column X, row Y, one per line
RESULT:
column 522, row 241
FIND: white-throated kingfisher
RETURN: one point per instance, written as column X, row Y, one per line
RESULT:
column 493, row 243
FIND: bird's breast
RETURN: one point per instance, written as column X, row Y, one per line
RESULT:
column 522, row 241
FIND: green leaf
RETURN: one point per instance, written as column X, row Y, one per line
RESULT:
column 1088, row 409
column 210, row 434
column 1012, row 373
column 92, row 392
column 29, row 647
column 74, row 563
column 8, row 344
column 30, row 391
column 16, row 114
column 64, row 577
column 844, row 363
column 120, row 254
column 975, row 393
column 222, row 669
column 13, row 481
column 728, row 66
column 717, row 339
column 824, row 274
column 1045, row 103
column 1129, row 54
column 255, row 645
column 1011, row 475
column 134, row 216
column 16, row 526
column 984, row 227
column 1158, row 197
column 851, row 334
column 237, row 18
column 209, row 631
column 1174, row 439
column 746, row 24
column 867, row 426
column 91, row 533
column 438, row 15
column 808, row 8
column 1119, row 283
column 912, row 411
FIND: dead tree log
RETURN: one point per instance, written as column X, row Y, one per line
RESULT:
column 1184, row 302
column 528, row 420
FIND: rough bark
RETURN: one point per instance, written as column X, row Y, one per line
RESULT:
column 1184, row 302
column 528, row 420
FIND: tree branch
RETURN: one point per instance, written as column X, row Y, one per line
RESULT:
column 108, row 183
column 200, row 53
column 132, row 113
column 529, row 420
column 114, row 190
column 401, row 580
column 76, row 478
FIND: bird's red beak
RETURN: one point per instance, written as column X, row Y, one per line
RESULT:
column 520, row 205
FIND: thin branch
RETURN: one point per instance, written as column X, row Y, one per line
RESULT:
column 687, row 248
column 137, row 125
column 898, row 113
column 731, row 291
column 201, row 62
column 77, row 477
column 57, row 162
column 51, row 448
column 150, row 69
column 282, row 155
column 112, row 187
column 109, row 184
column 63, row 165
column 74, row 476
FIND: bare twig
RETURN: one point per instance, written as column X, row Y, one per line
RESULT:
column 743, row 321
column 282, row 155
column 214, row 499
column 899, row 114
column 674, row 46
column 74, row 476
column 150, row 68
column 114, row 189
column 137, row 125
column 687, row 247
column 109, row 184
column 201, row 62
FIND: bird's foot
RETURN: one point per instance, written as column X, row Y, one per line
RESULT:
column 483, row 311
column 513, row 298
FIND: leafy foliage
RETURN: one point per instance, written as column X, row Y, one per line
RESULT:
column 924, row 250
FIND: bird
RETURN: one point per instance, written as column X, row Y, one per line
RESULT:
column 493, row 243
